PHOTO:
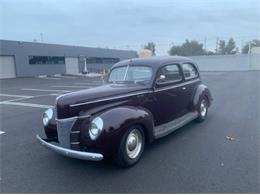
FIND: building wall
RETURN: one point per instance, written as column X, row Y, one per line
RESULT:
column 21, row 51
column 255, row 50
column 238, row 62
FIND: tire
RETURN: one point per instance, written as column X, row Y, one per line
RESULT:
column 131, row 147
column 203, row 109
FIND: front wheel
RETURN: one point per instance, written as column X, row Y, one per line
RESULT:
column 131, row 147
column 203, row 110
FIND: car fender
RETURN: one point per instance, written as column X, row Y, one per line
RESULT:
column 119, row 119
column 200, row 92
column 116, row 122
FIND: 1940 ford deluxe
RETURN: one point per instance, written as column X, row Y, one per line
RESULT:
column 144, row 99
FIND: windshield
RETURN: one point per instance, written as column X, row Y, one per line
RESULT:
column 132, row 74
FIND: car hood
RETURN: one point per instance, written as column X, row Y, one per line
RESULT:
column 95, row 94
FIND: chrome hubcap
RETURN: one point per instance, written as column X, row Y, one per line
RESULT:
column 203, row 108
column 133, row 143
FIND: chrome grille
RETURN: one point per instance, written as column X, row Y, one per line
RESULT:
column 64, row 127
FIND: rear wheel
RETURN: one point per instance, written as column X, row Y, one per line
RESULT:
column 131, row 147
column 203, row 110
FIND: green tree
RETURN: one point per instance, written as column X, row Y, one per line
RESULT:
column 229, row 48
column 222, row 47
column 188, row 48
column 150, row 46
column 254, row 43
column 210, row 53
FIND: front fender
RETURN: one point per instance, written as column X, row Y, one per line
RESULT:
column 116, row 123
column 118, row 120
column 201, row 91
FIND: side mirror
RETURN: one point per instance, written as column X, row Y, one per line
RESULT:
column 161, row 79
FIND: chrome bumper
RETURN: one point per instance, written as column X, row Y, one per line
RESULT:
column 69, row 152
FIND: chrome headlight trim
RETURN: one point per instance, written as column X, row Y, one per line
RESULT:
column 96, row 127
column 47, row 116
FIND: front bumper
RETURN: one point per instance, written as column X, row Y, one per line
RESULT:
column 70, row 153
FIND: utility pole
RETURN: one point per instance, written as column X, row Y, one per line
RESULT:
column 217, row 40
column 205, row 43
column 249, row 53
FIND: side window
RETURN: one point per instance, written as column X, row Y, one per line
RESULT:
column 169, row 73
column 189, row 71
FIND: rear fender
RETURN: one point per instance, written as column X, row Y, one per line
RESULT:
column 201, row 91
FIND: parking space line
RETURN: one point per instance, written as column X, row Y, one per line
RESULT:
column 31, row 97
column 26, row 98
column 46, row 90
column 50, row 78
column 18, row 96
column 89, row 84
column 2, row 132
column 18, row 99
column 68, row 86
column 26, row 104
column 69, row 77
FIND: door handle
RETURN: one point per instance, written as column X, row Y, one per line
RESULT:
column 183, row 88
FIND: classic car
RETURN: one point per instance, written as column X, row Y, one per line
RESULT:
column 144, row 99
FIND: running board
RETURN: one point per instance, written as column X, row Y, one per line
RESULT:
column 167, row 128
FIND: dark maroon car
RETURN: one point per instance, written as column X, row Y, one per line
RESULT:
column 144, row 99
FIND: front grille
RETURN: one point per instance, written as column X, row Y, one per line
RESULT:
column 64, row 127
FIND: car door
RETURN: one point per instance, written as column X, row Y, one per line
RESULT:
column 168, row 94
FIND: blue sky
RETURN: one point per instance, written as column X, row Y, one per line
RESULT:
column 129, row 24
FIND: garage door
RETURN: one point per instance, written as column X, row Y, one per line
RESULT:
column 7, row 67
column 72, row 65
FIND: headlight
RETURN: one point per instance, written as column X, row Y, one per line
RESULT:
column 47, row 116
column 96, row 128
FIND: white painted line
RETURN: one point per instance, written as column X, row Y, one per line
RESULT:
column 19, row 96
column 69, row 86
column 26, row 104
column 88, row 84
column 50, row 78
column 92, row 81
column 18, row 99
column 41, row 76
column 1, row 132
column 26, row 98
column 46, row 90
column 69, row 77
column 31, row 97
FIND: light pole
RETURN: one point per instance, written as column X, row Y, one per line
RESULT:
column 249, row 53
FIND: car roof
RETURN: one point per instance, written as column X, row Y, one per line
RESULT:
column 154, row 61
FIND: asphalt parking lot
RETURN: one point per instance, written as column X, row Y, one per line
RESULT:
column 221, row 155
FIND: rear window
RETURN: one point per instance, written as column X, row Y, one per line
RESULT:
column 189, row 71
column 169, row 73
